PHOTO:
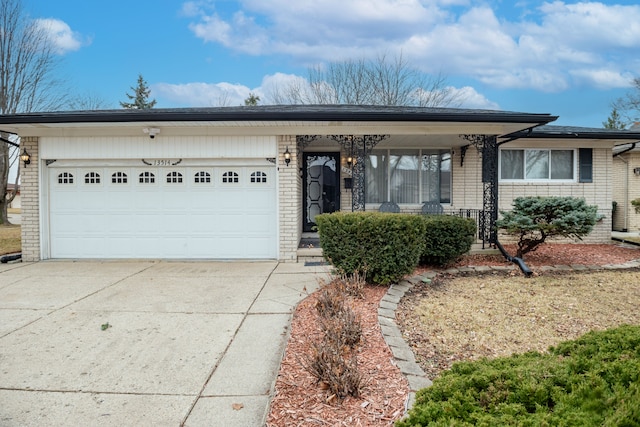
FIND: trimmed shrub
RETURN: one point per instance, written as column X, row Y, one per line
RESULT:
column 382, row 247
column 533, row 220
column 592, row 381
column 447, row 238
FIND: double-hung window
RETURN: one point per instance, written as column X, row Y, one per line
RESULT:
column 537, row 165
column 408, row 176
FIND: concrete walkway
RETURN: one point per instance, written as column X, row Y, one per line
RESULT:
column 146, row 342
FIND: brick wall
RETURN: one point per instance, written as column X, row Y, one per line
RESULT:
column 29, row 190
column 290, row 199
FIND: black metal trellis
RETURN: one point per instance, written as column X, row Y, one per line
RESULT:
column 358, row 146
column 487, row 146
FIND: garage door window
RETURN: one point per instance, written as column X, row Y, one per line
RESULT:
column 258, row 176
column 119, row 178
column 174, row 178
column 230, row 177
column 92, row 178
column 202, row 177
column 65, row 178
column 147, row 178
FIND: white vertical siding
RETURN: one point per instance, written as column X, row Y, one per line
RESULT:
column 161, row 147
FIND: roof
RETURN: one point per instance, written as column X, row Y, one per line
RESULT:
column 280, row 112
column 575, row 132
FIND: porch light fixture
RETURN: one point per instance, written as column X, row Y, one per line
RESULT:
column 350, row 160
column 25, row 157
column 636, row 171
column 287, row 156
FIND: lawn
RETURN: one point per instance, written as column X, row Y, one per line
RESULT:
column 10, row 240
column 468, row 318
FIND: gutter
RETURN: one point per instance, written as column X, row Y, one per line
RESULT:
column 280, row 113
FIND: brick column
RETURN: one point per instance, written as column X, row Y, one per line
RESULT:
column 30, row 194
column 289, row 198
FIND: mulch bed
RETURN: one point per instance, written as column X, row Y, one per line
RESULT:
column 300, row 401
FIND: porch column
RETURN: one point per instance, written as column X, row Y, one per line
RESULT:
column 358, row 146
column 490, row 184
column 487, row 146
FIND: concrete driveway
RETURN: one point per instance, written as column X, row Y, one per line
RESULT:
column 144, row 342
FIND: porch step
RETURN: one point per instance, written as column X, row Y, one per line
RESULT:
column 476, row 249
column 313, row 254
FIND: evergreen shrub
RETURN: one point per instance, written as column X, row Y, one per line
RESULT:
column 381, row 247
column 591, row 381
column 447, row 238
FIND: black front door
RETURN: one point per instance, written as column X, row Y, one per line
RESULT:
column 321, row 186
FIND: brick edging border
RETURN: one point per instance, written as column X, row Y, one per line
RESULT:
column 402, row 352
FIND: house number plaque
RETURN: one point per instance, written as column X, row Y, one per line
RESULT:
column 161, row 162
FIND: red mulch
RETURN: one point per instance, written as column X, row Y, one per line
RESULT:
column 300, row 401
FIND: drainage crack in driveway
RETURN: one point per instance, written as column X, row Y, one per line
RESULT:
column 245, row 314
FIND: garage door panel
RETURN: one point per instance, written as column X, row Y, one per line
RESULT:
column 162, row 219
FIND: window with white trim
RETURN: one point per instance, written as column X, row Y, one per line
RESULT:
column 92, row 178
column 258, row 176
column 537, row 165
column 119, row 178
column 230, row 177
column 202, row 177
column 147, row 178
column 174, row 178
column 65, row 178
column 408, row 176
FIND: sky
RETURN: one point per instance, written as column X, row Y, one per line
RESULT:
column 566, row 58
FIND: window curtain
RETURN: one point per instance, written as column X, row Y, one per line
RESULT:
column 376, row 173
column 404, row 166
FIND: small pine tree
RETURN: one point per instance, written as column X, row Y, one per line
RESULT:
column 140, row 98
column 535, row 219
column 614, row 121
column 252, row 100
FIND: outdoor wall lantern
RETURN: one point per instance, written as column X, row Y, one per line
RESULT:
column 350, row 161
column 287, row 156
column 25, row 157
column 636, row 171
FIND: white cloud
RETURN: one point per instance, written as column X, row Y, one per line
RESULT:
column 551, row 48
column 64, row 39
column 472, row 99
column 203, row 94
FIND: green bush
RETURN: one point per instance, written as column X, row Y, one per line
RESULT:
column 592, row 381
column 447, row 238
column 535, row 219
column 382, row 247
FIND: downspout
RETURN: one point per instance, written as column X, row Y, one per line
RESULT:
column 626, row 185
column 516, row 260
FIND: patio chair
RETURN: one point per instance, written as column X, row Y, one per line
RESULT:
column 432, row 208
column 390, row 207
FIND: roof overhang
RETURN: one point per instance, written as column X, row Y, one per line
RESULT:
column 275, row 120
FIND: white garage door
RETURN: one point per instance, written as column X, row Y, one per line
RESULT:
column 221, row 212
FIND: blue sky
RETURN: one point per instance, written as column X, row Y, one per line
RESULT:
column 566, row 58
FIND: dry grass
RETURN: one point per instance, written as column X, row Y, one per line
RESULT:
column 467, row 318
column 10, row 239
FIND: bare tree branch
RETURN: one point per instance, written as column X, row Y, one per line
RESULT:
column 383, row 81
column 27, row 81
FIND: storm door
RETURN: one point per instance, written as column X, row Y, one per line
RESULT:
column 321, row 186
